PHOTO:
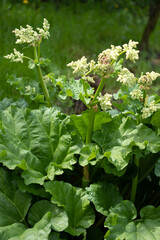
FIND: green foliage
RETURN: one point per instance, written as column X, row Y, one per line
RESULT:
column 75, row 202
column 73, row 28
column 103, row 196
column 44, row 143
column 14, row 204
column 122, row 224
column 59, row 219
column 78, row 90
column 62, row 175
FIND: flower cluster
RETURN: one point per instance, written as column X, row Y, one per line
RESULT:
column 136, row 94
column 150, row 109
column 88, row 78
column 44, row 32
column 126, row 77
column 105, row 101
column 131, row 53
column 104, row 66
column 28, row 35
column 47, row 78
column 108, row 55
column 15, row 57
column 80, row 66
column 30, row 90
column 146, row 80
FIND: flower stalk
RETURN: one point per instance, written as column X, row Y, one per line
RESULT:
column 91, row 117
column 99, row 89
column 135, row 181
column 42, row 82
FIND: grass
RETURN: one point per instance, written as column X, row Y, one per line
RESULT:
column 77, row 30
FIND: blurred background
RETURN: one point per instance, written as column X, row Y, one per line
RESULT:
column 80, row 28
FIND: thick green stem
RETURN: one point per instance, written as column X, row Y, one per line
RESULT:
column 99, row 89
column 86, row 177
column 90, row 126
column 135, row 182
column 144, row 96
column 42, row 82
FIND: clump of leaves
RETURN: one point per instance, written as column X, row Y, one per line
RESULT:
column 79, row 176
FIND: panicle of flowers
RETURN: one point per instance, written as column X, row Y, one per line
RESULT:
column 146, row 80
column 80, row 66
column 126, row 77
column 150, row 109
column 131, row 53
column 15, row 57
column 136, row 94
column 28, row 35
column 103, row 70
column 91, row 65
column 25, row 35
column 44, row 32
column 105, row 101
column 109, row 54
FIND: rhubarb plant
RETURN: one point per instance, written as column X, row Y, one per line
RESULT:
column 89, row 176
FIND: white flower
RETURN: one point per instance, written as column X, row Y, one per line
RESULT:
column 28, row 35
column 92, row 65
column 105, row 101
column 136, row 94
column 15, row 57
column 146, row 113
column 88, row 78
column 28, row 88
column 80, row 66
column 44, row 32
column 146, row 80
column 131, row 53
column 109, row 54
column 153, row 75
column 47, row 78
column 150, row 109
column 126, row 77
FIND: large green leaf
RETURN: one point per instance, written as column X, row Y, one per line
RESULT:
column 59, row 219
column 10, row 231
column 40, row 231
column 6, row 102
column 90, row 154
column 14, row 204
column 122, row 223
column 104, row 196
column 77, row 89
column 118, row 138
column 40, row 142
column 34, row 189
column 75, row 202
